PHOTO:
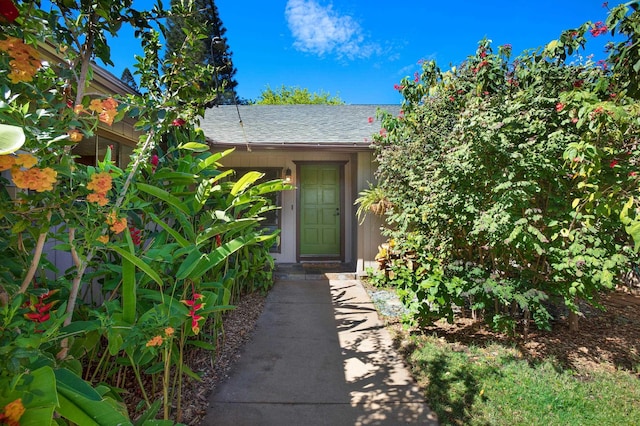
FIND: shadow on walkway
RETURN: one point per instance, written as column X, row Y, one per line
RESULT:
column 319, row 356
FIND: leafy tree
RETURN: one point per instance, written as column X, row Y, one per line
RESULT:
column 296, row 96
column 211, row 49
column 127, row 78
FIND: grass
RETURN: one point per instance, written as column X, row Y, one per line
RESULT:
column 494, row 385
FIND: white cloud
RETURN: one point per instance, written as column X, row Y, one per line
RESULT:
column 321, row 30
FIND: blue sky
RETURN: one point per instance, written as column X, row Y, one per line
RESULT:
column 358, row 49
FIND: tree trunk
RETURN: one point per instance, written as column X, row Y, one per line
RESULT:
column 573, row 322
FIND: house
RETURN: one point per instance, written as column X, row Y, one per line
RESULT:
column 325, row 151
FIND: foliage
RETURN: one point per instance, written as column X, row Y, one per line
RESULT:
column 159, row 248
column 211, row 49
column 296, row 96
column 511, row 178
column 495, row 385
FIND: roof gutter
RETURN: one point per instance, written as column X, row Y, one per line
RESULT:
column 333, row 146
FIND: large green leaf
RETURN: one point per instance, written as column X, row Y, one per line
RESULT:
column 245, row 181
column 189, row 264
column 164, row 196
column 212, row 160
column 221, row 228
column 139, row 263
column 128, row 291
column 38, row 395
column 83, row 405
column 194, row 146
column 175, row 234
column 216, row 257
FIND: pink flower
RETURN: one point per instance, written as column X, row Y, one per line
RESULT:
column 370, row 119
column 178, row 122
column 398, row 87
column 633, row 174
column 598, row 29
column 559, row 106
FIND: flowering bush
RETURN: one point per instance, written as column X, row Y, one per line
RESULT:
column 510, row 179
column 56, row 343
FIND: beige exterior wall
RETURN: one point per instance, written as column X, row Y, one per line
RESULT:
column 361, row 241
column 369, row 237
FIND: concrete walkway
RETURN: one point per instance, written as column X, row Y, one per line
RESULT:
column 319, row 356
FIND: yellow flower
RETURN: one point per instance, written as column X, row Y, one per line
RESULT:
column 169, row 331
column 155, row 341
column 96, row 105
column 74, row 135
column 26, row 160
column 100, row 182
column 7, row 162
column 103, row 239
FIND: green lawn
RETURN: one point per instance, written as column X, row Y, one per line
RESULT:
column 495, row 386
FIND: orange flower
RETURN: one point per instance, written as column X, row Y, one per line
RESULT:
column 36, row 179
column 6, row 162
column 25, row 61
column 110, row 103
column 99, row 198
column 26, row 160
column 107, row 116
column 104, row 239
column 155, row 341
column 12, row 413
column 74, row 135
column 115, row 224
column 78, row 109
column 169, row 331
column 100, row 182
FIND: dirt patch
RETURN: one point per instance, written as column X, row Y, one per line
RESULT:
column 606, row 340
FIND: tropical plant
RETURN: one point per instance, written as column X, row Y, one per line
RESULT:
column 153, row 246
column 371, row 200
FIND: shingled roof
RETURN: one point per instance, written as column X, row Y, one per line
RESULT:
column 331, row 126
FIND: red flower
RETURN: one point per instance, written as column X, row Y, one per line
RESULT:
column 613, row 163
column 370, row 120
column 218, row 240
column 398, row 87
column 154, row 162
column 178, row 122
column 135, row 235
column 559, row 106
column 8, row 10
column 633, row 174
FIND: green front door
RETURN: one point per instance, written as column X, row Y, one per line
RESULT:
column 320, row 215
